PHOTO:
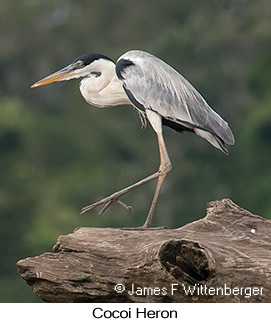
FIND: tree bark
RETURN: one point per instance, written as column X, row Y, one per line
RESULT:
column 224, row 257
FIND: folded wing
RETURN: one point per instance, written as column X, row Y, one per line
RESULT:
column 152, row 84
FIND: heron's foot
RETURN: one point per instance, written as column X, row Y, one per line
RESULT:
column 107, row 203
column 144, row 228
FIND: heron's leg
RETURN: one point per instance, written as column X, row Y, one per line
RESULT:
column 107, row 201
column 165, row 167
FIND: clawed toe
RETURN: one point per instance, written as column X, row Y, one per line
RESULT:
column 127, row 207
column 107, row 203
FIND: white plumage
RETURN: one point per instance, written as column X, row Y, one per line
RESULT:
column 159, row 93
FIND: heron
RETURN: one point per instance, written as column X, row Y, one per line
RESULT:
column 158, row 92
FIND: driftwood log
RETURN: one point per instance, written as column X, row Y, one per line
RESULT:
column 224, row 257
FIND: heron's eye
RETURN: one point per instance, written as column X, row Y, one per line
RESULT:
column 80, row 63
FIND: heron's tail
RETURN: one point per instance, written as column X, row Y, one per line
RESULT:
column 218, row 140
column 214, row 140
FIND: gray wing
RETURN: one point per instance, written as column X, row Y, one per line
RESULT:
column 152, row 84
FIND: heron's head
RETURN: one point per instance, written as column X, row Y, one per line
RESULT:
column 82, row 66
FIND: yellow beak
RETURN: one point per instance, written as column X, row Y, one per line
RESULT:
column 64, row 74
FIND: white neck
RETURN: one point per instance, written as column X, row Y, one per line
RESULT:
column 104, row 90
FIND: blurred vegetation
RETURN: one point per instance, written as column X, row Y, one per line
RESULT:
column 58, row 154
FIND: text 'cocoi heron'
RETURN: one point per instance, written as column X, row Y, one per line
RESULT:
column 158, row 92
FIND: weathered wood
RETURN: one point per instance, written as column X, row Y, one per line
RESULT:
column 229, row 248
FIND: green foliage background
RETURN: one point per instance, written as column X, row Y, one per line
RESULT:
column 58, row 154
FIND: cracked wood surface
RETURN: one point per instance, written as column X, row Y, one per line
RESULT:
column 228, row 247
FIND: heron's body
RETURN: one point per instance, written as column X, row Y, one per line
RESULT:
column 158, row 91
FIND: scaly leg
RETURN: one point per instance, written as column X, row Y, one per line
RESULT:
column 165, row 167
